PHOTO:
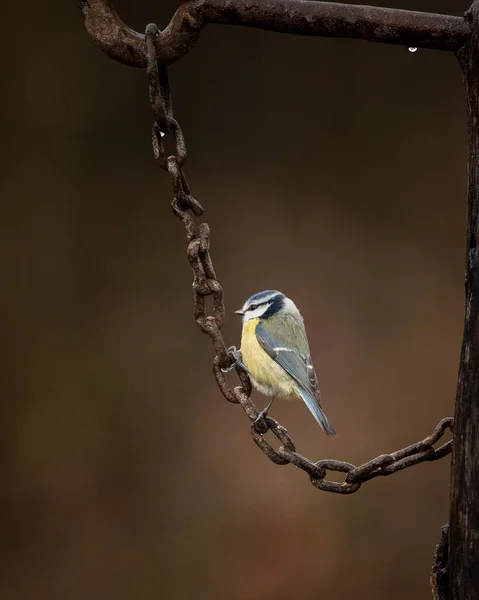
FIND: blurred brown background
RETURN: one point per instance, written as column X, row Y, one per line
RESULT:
column 333, row 170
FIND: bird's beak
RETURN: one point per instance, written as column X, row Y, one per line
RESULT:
column 239, row 312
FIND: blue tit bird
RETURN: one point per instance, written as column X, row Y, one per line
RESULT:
column 275, row 352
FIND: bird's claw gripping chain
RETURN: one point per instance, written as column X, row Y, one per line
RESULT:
column 238, row 362
column 205, row 283
column 259, row 422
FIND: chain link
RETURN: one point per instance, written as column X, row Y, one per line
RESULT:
column 205, row 283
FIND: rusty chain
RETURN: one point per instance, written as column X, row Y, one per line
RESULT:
column 206, row 284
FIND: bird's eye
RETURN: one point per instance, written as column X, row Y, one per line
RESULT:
column 253, row 307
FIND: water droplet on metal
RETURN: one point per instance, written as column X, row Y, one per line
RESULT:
column 412, row 49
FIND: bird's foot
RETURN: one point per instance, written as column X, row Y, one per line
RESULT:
column 263, row 414
column 236, row 354
column 260, row 417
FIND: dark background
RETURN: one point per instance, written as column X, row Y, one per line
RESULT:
column 333, row 170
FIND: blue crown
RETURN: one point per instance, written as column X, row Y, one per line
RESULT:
column 261, row 296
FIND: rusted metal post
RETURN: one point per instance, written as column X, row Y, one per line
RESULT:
column 464, row 523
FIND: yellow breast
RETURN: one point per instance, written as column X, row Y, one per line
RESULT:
column 253, row 355
column 269, row 377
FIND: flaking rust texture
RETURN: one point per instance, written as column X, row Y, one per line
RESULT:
column 464, row 523
column 329, row 19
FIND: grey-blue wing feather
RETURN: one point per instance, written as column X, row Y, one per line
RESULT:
column 288, row 358
column 300, row 368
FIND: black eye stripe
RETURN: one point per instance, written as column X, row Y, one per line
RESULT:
column 256, row 305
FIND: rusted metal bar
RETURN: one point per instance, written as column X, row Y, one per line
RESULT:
column 464, row 523
column 329, row 19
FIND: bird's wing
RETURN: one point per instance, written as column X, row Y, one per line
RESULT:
column 298, row 364
column 294, row 360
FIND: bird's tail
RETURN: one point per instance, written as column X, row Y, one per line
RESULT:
column 317, row 412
